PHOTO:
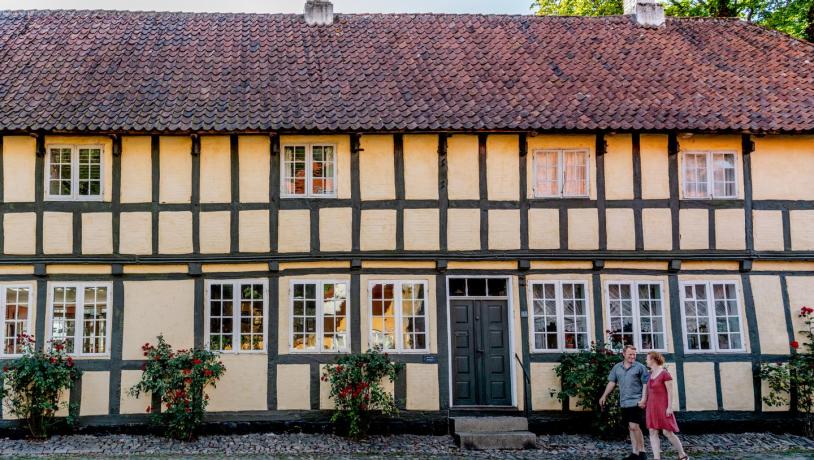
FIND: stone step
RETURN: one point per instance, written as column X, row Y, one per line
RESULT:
column 515, row 440
column 489, row 424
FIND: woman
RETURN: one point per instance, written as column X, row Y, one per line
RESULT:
column 659, row 407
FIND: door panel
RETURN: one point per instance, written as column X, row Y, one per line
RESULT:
column 463, row 352
column 496, row 357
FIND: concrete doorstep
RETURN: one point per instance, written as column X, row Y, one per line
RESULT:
column 483, row 433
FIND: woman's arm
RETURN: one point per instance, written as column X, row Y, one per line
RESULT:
column 668, row 384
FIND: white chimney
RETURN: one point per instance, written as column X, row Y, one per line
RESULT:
column 648, row 13
column 319, row 12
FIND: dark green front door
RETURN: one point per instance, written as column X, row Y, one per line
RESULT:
column 480, row 352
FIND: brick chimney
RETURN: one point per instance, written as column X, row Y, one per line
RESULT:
column 319, row 12
column 647, row 13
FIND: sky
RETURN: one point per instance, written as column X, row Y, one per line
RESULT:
column 281, row 6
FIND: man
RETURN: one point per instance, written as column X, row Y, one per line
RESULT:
column 631, row 377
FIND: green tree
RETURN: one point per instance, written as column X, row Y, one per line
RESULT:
column 794, row 17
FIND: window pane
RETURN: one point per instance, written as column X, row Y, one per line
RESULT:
column 94, row 338
column 547, row 173
column 575, row 168
column 620, row 307
column 651, row 316
column 63, row 321
column 383, row 320
column 90, row 172
column 303, row 324
column 476, row 287
column 723, row 175
column 696, row 317
column 294, row 175
column 322, row 170
column 575, row 315
column 413, row 319
column 695, row 175
column 334, row 312
column 15, row 321
column 251, row 316
column 727, row 316
column 59, row 180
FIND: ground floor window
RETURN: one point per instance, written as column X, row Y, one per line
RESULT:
column 559, row 315
column 16, row 308
column 79, row 316
column 236, row 315
column 319, row 316
column 636, row 314
column 711, row 313
column 398, row 315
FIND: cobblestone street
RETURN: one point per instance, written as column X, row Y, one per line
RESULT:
column 717, row 446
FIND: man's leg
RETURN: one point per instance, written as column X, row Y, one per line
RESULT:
column 636, row 438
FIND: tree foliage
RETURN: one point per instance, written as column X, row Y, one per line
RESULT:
column 794, row 17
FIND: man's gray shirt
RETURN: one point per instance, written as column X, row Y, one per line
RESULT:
column 630, row 382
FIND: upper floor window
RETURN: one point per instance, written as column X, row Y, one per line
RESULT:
column 636, row 314
column 712, row 320
column 309, row 171
column 236, row 315
column 709, row 175
column 559, row 316
column 16, row 309
column 398, row 315
column 73, row 172
column 319, row 316
column 79, row 315
column 561, row 173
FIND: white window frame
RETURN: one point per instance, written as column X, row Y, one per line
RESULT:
column 236, row 313
column 309, row 173
column 710, row 174
column 713, row 336
column 74, row 196
column 319, row 315
column 637, row 321
column 560, row 316
column 80, row 313
column 561, row 172
column 399, row 318
column 32, row 304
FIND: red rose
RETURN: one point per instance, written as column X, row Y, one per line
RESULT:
column 149, row 409
column 207, row 372
column 795, row 344
column 70, row 361
column 196, row 361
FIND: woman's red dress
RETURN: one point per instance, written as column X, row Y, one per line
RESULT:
column 656, row 411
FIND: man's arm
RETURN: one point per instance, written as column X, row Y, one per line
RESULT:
column 643, row 401
column 608, row 388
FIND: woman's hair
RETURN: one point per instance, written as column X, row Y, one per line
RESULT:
column 657, row 357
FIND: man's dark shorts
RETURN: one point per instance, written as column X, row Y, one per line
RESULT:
column 633, row 414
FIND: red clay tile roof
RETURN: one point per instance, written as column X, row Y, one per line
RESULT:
column 105, row 70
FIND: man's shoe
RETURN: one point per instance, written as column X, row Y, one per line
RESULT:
column 642, row 456
column 632, row 457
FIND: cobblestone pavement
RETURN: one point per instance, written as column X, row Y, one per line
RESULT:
column 301, row 446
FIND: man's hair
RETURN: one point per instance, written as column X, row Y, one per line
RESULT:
column 628, row 347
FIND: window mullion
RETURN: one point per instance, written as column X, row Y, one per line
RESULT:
column 236, row 317
column 397, row 312
column 74, row 172
column 79, row 328
column 561, row 172
column 309, row 171
column 710, row 176
column 560, row 312
column 320, row 315
column 713, row 324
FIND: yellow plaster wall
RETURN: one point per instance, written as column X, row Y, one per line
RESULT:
column 20, row 232
column 504, row 229
column 421, row 166
column 234, row 268
column 780, row 164
column 463, row 229
column 544, row 228
column 693, row 228
column 560, row 265
column 767, row 227
column 253, row 159
column 322, row 264
column 583, row 228
column 79, row 269
column 378, row 230
column 17, row 269
column 136, row 185
column 656, row 225
column 253, row 231
column 293, row 387
column 730, row 230
column 157, row 307
column 376, row 168
column 336, row 229
column 294, row 231
column 398, row 264
column 543, row 380
column 175, row 232
column 57, row 233
column 699, row 384
column 97, row 233
column 737, row 388
column 770, row 314
column 243, row 386
column 621, row 229
column 802, row 230
column 94, row 393
column 711, row 142
column 482, row 265
column 19, row 164
column 636, row 264
column 769, row 265
column 325, row 401
column 175, row 169
column 127, row 403
column 421, row 229
column 502, row 166
column 619, row 167
column 709, row 265
column 135, row 230
column 463, row 177
column 562, row 141
column 215, row 232
column 216, row 169
column 800, row 289
column 422, row 387
column 341, row 143
column 655, row 166
column 155, row 268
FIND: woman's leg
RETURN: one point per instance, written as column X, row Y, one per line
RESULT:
column 676, row 443
column 655, row 443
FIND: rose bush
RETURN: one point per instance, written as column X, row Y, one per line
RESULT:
column 34, row 382
column 356, row 389
column 179, row 379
